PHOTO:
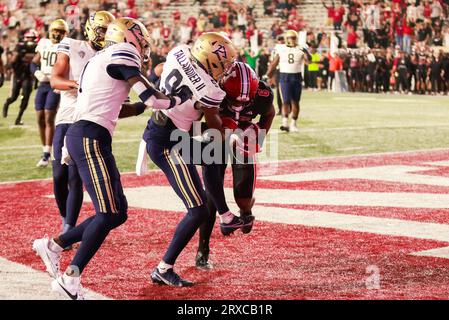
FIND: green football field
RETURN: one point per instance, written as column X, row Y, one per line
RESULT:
column 330, row 125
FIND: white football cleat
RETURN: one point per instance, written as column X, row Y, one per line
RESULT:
column 68, row 286
column 42, row 163
column 49, row 257
column 293, row 128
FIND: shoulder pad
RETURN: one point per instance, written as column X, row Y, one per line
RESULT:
column 125, row 54
column 64, row 46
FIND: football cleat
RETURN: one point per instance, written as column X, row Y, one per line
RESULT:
column 169, row 278
column 228, row 228
column 68, row 286
column 293, row 128
column 202, row 260
column 50, row 258
column 284, row 128
column 248, row 219
column 42, row 163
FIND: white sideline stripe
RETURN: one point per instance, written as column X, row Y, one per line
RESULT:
column 19, row 282
column 393, row 173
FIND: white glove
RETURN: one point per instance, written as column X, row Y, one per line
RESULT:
column 142, row 159
column 65, row 157
column 40, row 75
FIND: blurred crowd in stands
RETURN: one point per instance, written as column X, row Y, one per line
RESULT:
column 395, row 45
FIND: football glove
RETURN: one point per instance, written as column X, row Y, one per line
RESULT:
column 40, row 75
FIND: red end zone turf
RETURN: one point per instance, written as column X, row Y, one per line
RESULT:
column 275, row 261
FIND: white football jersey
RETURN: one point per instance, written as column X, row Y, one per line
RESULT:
column 291, row 60
column 47, row 51
column 79, row 53
column 100, row 97
column 179, row 70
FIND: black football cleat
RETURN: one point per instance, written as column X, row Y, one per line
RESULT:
column 285, row 128
column 202, row 260
column 169, row 278
column 248, row 220
column 228, row 228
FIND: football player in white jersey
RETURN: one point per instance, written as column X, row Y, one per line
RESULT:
column 291, row 58
column 199, row 68
column 47, row 101
column 104, row 85
column 72, row 56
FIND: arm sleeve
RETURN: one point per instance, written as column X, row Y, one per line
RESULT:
column 147, row 94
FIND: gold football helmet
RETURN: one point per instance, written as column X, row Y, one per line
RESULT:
column 131, row 31
column 96, row 27
column 58, row 30
column 215, row 53
column 291, row 38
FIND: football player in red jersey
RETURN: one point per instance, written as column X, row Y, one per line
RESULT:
column 246, row 98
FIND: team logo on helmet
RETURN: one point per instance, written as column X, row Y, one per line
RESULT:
column 221, row 52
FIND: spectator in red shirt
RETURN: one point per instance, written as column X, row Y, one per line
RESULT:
column 352, row 38
column 338, row 17
column 427, row 9
column 330, row 13
column 408, row 32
